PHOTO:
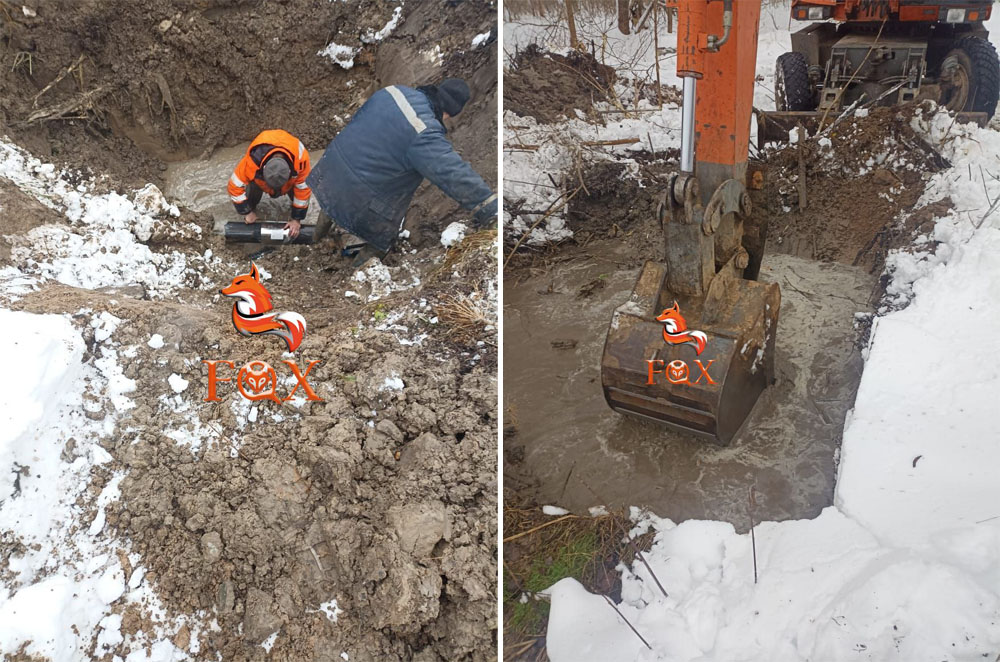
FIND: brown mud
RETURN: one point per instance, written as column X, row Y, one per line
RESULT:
column 860, row 190
column 381, row 499
column 174, row 80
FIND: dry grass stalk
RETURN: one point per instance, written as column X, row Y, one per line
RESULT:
column 462, row 316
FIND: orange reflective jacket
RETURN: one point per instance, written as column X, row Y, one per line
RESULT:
column 266, row 145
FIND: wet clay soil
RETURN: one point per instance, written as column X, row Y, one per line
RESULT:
column 382, row 499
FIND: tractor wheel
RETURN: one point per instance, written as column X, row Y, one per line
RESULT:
column 624, row 16
column 791, row 83
column 970, row 77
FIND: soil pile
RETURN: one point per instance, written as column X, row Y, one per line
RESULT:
column 549, row 86
column 380, row 500
column 861, row 183
column 617, row 200
column 118, row 86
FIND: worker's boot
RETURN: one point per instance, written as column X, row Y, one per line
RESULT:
column 364, row 254
column 323, row 225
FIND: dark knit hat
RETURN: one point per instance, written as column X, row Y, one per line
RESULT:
column 453, row 93
column 276, row 172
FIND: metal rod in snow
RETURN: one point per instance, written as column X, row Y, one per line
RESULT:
column 631, row 627
column 753, row 538
column 642, row 558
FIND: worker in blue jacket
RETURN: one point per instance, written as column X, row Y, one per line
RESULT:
column 366, row 178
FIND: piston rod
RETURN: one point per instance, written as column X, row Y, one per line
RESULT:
column 687, row 124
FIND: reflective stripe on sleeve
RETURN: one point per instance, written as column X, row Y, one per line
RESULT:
column 301, row 185
column 408, row 112
column 484, row 203
column 238, row 198
column 236, row 180
column 300, row 203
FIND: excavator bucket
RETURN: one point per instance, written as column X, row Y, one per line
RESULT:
column 710, row 391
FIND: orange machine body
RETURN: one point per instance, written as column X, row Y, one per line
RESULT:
column 725, row 87
column 907, row 12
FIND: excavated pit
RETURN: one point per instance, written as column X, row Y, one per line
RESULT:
column 381, row 498
column 563, row 444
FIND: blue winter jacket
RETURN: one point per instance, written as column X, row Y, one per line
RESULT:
column 369, row 173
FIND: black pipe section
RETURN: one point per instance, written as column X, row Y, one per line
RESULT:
column 267, row 233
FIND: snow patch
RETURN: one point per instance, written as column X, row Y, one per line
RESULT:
column 480, row 39
column 339, row 54
column 454, row 233
column 177, row 383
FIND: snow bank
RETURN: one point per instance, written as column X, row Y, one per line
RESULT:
column 63, row 575
column 103, row 245
column 827, row 591
column 41, row 353
column 912, row 473
column 59, row 576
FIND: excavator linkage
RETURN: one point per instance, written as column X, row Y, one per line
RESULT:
column 693, row 347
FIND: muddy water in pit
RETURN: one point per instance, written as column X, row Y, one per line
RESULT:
column 200, row 185
column 583, row 454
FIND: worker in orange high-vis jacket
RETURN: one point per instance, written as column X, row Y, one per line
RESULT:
column 276, row 163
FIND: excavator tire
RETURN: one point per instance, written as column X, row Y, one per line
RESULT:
column 791, row 83
column 985, row 75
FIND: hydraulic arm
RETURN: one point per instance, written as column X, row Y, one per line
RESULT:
column 693, row 347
